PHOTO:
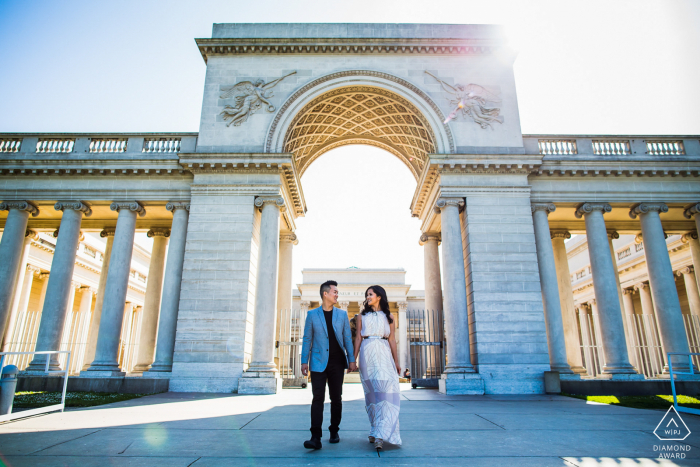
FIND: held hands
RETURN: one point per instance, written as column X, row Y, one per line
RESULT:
column 304, row 369
column 353, row 366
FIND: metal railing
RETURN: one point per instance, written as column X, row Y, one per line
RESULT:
column 49, row 408
column 673, row 382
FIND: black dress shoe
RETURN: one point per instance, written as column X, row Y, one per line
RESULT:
column 313, row 443
column 334, row 438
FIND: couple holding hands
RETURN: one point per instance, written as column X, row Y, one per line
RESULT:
column 328, row 350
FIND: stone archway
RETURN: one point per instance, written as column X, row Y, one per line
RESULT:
column 360, row 115
column 360, row 107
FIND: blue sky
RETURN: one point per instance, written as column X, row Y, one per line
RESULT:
column 594, row 67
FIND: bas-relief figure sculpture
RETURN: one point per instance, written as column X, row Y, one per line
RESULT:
column 248, row 98
column 475, row 101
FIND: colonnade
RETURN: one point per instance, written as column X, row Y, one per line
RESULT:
column 610, row 299
column 102, row 349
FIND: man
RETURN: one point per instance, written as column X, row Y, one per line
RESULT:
column 328, row 342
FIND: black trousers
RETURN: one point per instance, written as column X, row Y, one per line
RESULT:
column 333, row 375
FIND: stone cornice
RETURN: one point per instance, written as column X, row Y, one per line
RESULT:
column 594, row 168
column 344, row 46
column 643, row 208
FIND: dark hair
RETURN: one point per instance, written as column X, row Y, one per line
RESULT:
column 383, row 302
column 326, row 287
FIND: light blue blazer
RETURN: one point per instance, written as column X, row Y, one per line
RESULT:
column 315, row 346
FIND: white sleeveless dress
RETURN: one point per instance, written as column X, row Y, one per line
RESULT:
column 380, row 379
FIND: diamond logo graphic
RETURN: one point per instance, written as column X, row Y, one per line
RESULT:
column 672, row 427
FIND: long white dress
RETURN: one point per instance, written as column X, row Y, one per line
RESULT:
column 380, row 379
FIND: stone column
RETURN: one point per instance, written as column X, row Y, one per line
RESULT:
column 151, row 302
column 23, row 302
column 99, row 300
column 170, row 301
column 613, row 235
column 59, row 289
column 691, row 289
column 631, row 327
column 661, row 280
column 612, row 330
column 433, row 282
column 403, row 336
column 550, row 288
column 691, row 238
column 459, row 376
column 106, row 362
column 284, row 283
column 17, row 294
column 566, row 301
column 585, row 310
column 262, row 376
column 11, row 251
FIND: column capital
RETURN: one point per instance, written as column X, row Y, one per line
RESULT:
column 628, row 291
column 691, row 210
column 173, row 205
column 612, row 233
column 639, row 238
column 643, row 208
column 133, row 206
column 344, row 304
column 31, row 234
column 305, row 304
column 641, row 286
column 559, row 234
column 444, row 202
column 584, row 306
column 108, row 232
column 403, row 306
column 546, row 207
column 261, row 201
column 81, row 235
column 429, row 236
column 43, row 275
column 685, row 270
column 586, row 208
column 289, row 237
column 33, row 269
column 74, row 205
column 75, row 285
column 20, row 206
column 688, row 236
column 158, row 232
column 90, row 289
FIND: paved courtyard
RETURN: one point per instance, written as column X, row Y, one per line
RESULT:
column 177, row 429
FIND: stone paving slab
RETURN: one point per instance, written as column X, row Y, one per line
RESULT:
column 223, row 429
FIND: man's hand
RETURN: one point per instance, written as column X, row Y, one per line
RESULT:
column 304, row 369
column 353, row 366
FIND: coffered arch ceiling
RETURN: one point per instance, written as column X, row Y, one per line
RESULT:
column 360, row 115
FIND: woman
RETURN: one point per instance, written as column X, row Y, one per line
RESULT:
column 379, row 367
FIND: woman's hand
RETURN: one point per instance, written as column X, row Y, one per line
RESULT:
column 398, row 368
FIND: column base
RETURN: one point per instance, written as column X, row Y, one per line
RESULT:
column 157, row 374
column 461, row 383
column 160, row 368
column 579, row 370
column 621, row 377
column 677, row 377
column 141, row 368
column 103, row 370
column 101, row 374
column 567, row 377
column 562, row 370
column 253, row 382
